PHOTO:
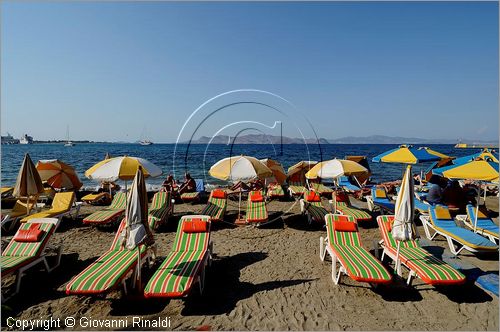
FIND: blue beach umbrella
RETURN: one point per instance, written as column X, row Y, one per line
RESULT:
column 485, row 154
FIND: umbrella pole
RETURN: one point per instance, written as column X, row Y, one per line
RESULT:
column 138, row 277
column 239, row 206
column 477, row 204
column 396, row 263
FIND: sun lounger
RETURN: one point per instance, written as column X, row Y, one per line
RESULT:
column 320, row 188
column 312, row 207
column 20, row 210
column 161, row 208
column 347, row 185
column 275, row 190
column 6, row 191
column 419, row 261
column 185, row 264
column 256, row 207
column 28, row 248
column 296, row 188
column 341, row 203
column 63, row 204
column 485, row 226
column 343, row 244
column 421, row 206
column 216, row 205
column 440, row 222
column 194, row 196
column 114, row 212
column 110, row 270
column 380, row 199
column 102, row 198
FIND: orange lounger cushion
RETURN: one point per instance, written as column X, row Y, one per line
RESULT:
column 32, row 234
column 257, row 197
column 313, row 197
column 218, row 194
column 345, row 226
column 195, row 226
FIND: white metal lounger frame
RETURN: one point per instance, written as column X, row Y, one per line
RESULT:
column 463, row 218
column 324, row 247
column 392, row 256
column 43, row 258
column 455, row 250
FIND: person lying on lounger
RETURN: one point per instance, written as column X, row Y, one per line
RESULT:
column 188, row 186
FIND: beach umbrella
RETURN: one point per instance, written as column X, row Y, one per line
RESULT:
column 58, row 174
column 406, row 154
column 485, row 154
column 123, row 168
column 435, row 153
column 239, row 168
column 276, row 168
column 137, row 229
column 480, row 170
column 335, row 168
column 28, row 182
column 299, row 169
column 402, row 227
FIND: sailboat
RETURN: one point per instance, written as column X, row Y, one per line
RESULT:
column 144, row 140
column 68, row 142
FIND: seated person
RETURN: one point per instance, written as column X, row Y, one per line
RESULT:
column 169, row 184
column 188, row 186
column 417, row 180
column 108, row 187
column 435, row 193
column 454, row 196
column 256, row 184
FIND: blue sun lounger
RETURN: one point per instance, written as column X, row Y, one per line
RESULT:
column 485, row 226
column 347, row 185
column 441, row 222
column 380, row 199
column 418, row 204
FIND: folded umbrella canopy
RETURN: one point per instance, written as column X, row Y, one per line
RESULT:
column 406, row 154
column 276, row 168
column 332, row 169
column 403, row 228
column 28, row 181
column 58, row 174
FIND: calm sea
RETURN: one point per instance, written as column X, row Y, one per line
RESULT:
column 197, row 159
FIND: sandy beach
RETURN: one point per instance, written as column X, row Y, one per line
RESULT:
column 267, row 278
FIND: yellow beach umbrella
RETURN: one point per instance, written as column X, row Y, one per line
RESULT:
column 276, row 168
column 332, row 169
column 239, row 168
column 123, row 168
column 406, row 154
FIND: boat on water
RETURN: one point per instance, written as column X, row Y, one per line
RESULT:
column 68, row 141
column 26, row 139
column 144, row 140
column 9, row 139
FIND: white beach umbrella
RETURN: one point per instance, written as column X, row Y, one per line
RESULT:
column 403, row 228
column 332, row 169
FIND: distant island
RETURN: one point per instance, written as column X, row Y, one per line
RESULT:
column 373, row 139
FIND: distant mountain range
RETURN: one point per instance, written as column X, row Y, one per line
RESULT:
column 374, row 139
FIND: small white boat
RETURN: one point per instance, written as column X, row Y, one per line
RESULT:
column 145, row 142
column 68, row 142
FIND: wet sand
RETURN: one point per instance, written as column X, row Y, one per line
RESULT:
column 266, row 278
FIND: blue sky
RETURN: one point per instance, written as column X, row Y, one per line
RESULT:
column 111, row 69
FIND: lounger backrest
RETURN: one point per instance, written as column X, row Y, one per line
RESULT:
column 309, row 192
column 191, row 241
column 29, row 249
column 158, row 201
column 385, row 226
column 440, row 213
column 338, row 237
column 220, row 202
column 379, row 192
column 471, row 214
column 63, row 201
column 119, row 201
column 20, row 206
column 117, row 241
column 295, row 183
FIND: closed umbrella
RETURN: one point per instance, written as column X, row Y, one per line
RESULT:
column 403, row 228
column 137, row 229
column 58, row 174
column 480, row 169
column 239, row 168
column 277, row 169
column 28, row 181
column 123, row 168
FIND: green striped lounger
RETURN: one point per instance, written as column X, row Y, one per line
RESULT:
column 256, row 207
column 313, row 209
column 185, row 264
column 275, row 191
column 296, row 188
column 109, row 270
column 419, row 261
column 160, row 209
column 113, row 212
column 190, row 197
column 321, row 189
column 216, row 206
column 19, row 256
column 343, row 243
column 343, row 206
